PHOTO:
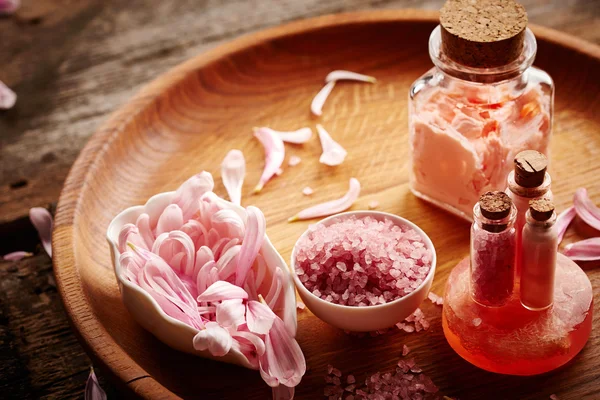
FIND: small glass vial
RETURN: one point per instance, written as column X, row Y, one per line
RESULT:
column 538, row 257
column 527, row 182
column 493, row 250
column 479, row 106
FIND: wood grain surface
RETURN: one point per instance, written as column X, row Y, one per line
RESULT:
column 72, row 63
column 187, row 120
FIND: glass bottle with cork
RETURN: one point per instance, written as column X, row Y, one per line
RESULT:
column 481, row 104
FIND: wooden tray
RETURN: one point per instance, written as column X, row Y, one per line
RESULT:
column 186, row 121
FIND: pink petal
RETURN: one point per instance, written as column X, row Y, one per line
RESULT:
column 307, row 191
column 217, row 249
column 214, row 338
column 43, row 223
column 16, row 256
column 129, row 234
column 145, row 231
column 261, row 269
column 299, row 136
column 274, row 155
column 228, row 223
column 283, row 392
column 256, row 226
column 316, row 107
column 333, row 206
column 171, row 219
column 250, row 286
column 221, row 290
column 341, row 75
column 233, row 170
column 586, row 210
column 203, row 277
column 8, row 98
column 333, row 153
column 131, row 266
column 584, row 250
column 232, row 242
column 212, row 238
column 563, row 221
column 275, row 290
column 257, row 342
column 230, row 313
column 294, row 160
column 169, row 245
column 228, row 263
column 259, row 317
column 196, row 231
column 188, row 195
column 93, row 391
column 203, row 255
column 283, row 362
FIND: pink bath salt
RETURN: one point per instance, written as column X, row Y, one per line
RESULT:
column 373, row 204
column 300, row 305
column 336, row 372
column 294, row 160
column 362, row 261
column 307, row 191
column 350, row 379
column 329, row 369
column 435, row 299
column 554, row 397
column 279, row 172
column 405, row 350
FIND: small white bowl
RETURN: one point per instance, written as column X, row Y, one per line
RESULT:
column 369, row 318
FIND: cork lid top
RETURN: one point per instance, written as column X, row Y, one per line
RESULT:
column 495, row 205
column 530, row 168
column 483, row 33
column 541, row 209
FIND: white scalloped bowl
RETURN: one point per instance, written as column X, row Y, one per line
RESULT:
column 369, row 318
column 170, row 331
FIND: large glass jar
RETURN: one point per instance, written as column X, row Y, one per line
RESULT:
column 467, row 124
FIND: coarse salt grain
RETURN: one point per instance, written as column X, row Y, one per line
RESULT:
column 554, row 397
column 294, row 160
column 307, row 191
column 435, row 299
column 405, row 350
column 383, row 261
column 373, row 204
column 300, row 305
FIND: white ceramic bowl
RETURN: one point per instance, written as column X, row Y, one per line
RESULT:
column 369, row 318
column 146, row 311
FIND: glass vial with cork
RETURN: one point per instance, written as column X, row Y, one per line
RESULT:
column 479, row 106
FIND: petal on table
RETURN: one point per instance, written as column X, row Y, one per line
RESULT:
column 256, row 226
column 188, row 195
column 586, row 210
column 171, row 219
column 259, row 317
column 16, row 255
column 333, row 153
column 93, row 391
column 43, row 223
column 221, row 290
column 584, row 250
column 214, row 338
column 341, row 75
column 233, row 171
column 274, row 155
column 563, row 221
column 8, row 98
column 298, row 136
column 331, row 207
column 316, row 107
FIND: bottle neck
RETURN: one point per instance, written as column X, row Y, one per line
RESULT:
column 513, row 73
column 540, row 225
column 529, row 193
column 494, row 226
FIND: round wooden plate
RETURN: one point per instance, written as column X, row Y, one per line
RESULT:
column 186, row 121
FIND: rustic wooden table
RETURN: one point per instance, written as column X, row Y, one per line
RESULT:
column 71, row 63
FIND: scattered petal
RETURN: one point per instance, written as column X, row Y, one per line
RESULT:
column 230, row 313
column 16, row 255
column 43, row 223
column 373, row 204
column 333, row 206
column 215, row 338
column 316, row 107
column 233, row 171
column 259, row 317
column 307, row 191
column 188, row 195
column 563, row 221
column 584, row 250
column 256, row 226
column 93, row 391
column 586, row 210
column 274, row 154
column 340, row 75
column 294, row 160
column 299, row 136
column 333, row 153
column 8, row 98
column 221, row 290
column 554, row 397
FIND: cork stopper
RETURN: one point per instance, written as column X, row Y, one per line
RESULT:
column 541, row 209
column 483, row 33
column 530, row 168
column 495, row 205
